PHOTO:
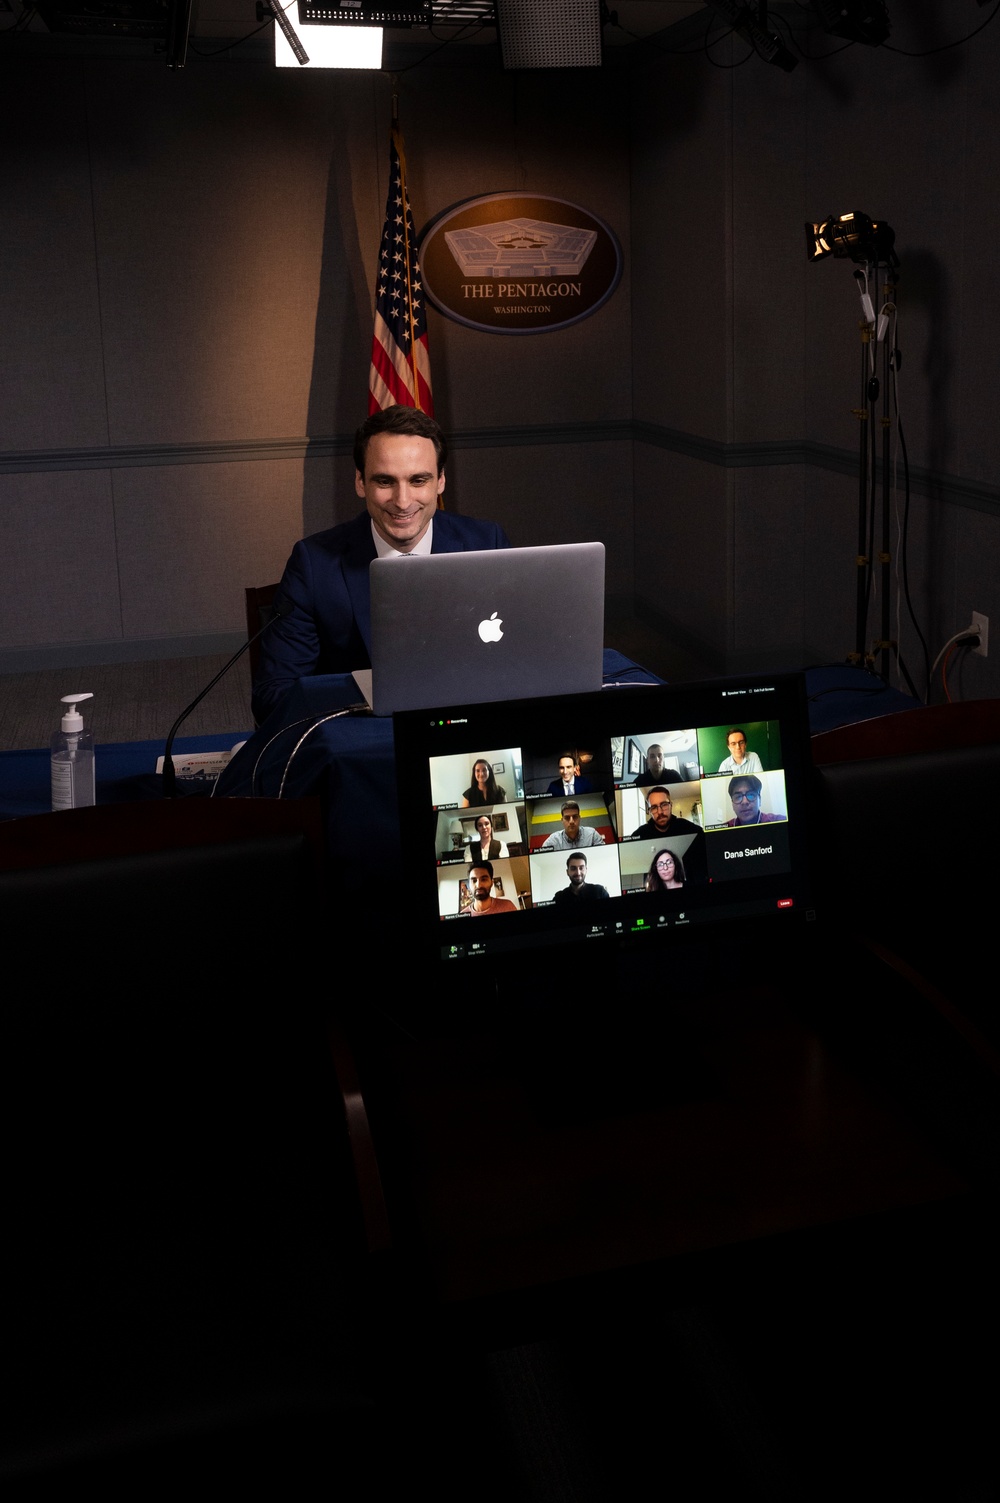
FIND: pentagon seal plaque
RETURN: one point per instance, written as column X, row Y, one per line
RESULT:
column 518, row 263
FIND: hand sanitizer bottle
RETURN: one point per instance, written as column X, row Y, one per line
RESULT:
column 72, row 758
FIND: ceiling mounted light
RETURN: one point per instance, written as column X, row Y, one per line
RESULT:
column 365, row 13
column 549, row 33
column 323, row 45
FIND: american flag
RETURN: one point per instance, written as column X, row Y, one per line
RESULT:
column 401, row 366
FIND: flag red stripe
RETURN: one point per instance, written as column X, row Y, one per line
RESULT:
column 398, row 382
column 383, row 366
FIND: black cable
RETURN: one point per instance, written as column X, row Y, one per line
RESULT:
column 292, row 724
column 945, row 46
column 812, row 57
column 486, row 26
column 872, row 495
column 904, row 562
column 871, row 500
column 651, row 37
column 217, row 51
column 963, row 646
column 906, row 673
column 479, row 25
column 317, row 720
column 722, row 38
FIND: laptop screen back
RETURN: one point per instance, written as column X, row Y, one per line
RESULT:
column 473, row 627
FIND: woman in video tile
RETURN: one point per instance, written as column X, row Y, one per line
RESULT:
column 487, row 847
column 666, row 873
column 484, row 788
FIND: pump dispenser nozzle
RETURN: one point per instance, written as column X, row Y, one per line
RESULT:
column 72, row 719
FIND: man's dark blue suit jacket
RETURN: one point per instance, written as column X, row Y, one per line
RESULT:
column 580, row 785
column 327, row 625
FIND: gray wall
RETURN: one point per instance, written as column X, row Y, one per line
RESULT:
column 746, row 364
column 186, row 317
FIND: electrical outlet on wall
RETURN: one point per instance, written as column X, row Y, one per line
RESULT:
column 982, row 626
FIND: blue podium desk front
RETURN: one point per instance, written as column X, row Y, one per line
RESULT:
column 125, row 773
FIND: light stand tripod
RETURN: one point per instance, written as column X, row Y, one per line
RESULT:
column 874, row 332
column 869, row 243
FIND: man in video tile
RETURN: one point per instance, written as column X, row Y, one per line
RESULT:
column 663, row 822
column 744, row 794
column 483, row 901
column 573, row 834
column 569, row 780
column 739, row 759
column 655, row 770
column 579, row 889
column 662, row 819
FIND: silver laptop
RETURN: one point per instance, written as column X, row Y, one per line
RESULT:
column 468, row 628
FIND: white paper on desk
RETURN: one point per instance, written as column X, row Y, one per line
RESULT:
column 201, row 766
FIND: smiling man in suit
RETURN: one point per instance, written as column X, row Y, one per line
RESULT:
column 325, row 625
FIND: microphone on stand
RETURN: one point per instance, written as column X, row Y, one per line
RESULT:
column 281, row 608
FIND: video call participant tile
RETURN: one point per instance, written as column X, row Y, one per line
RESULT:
column 567, row 769
column 577, row 875
column 482, row 892
column 744, row 800
column 641, row 873
column 562, row 824
column 665, row 810
column 755, row 851
column 460, row 833
column 751, row 746
column 480, row 781
column 658, row 757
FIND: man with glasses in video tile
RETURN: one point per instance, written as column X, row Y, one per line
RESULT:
column 744, row 795
column 662, row 819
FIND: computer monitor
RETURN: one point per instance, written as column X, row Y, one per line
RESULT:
column 634, row 818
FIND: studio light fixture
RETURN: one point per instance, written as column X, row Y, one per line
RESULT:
column 549, row 33
column 320, row 44
column 403, row 14
column 854, row 237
